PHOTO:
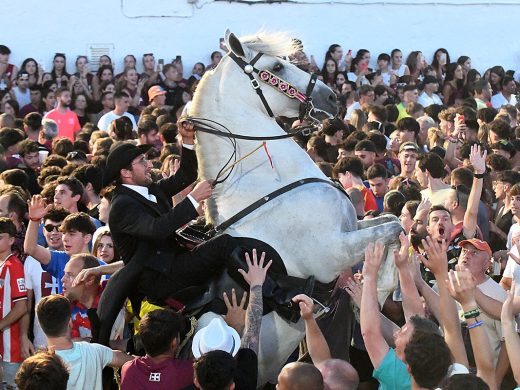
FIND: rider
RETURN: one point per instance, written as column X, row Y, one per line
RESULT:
column 143, row 223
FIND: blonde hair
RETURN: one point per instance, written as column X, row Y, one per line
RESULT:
column 358, row 119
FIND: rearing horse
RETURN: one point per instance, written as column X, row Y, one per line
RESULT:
column 314, row 226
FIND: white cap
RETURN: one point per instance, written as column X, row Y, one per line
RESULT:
column 217, row 335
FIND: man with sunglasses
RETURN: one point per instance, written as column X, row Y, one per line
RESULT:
column 40, row 283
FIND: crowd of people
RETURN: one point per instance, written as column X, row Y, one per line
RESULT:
column 98, row 170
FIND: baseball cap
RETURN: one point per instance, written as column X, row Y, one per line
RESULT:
column 155, row 91
column 480, row 245
column 409, row 146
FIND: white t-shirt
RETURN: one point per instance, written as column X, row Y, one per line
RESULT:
column 513, row 271
column 514, row 229
column 86, row 362
column 107, row 119
column 425, row 101
column 350, row 110
column 493, row 327
column 499, row 100
column 43, row 284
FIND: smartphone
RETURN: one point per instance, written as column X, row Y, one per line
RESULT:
column 349, row 52
column 461, row 119
column 178, row 59
column 161, row 61
column 443, row 57
column 378, row 73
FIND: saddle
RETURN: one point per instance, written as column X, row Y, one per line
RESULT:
column 278, row 290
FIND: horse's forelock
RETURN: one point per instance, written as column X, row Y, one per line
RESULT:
column 273, row 44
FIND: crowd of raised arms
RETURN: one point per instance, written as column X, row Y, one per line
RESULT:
column 435, row 144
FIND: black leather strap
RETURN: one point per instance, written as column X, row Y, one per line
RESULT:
column 260, row 202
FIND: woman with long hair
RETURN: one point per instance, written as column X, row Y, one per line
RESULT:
column 104, row 248
column 441, row 58
column 34, row 69
column 496, row 75
column 104, row 73
column 80, row 107
column 397, row 66
column 131, row 84
column 59, row 69
column 416, row 64
column 453, row 90
column 329, row 72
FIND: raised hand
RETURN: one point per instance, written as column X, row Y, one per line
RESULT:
column 424, row 205
column 306, row 305
column 437, row 260
column 354, row 288
column 461, row 287
column 478, row 159
column 255, row 275
column 401, row 257
column 236, row 312
column 37, row 208
column 373, row 259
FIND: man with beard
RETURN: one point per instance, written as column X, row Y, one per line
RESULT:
column 444, row 222
column 67, row 120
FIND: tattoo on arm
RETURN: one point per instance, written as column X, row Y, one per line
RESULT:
column 254, row 314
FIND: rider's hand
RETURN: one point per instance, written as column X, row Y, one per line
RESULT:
column 202, row 191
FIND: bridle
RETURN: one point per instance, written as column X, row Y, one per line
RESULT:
column 306, row 109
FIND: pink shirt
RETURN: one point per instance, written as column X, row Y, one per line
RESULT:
column 68, row 123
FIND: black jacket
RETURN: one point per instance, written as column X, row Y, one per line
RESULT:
column 143, row 231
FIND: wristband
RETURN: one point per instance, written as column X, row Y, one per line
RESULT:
column 478, row 175
column 471, row 313
column 454, row 140
column 35, row 219
column 478, row 323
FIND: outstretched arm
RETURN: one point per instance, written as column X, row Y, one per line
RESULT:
column 478, row 160
column 255, row 276
column 375, row 343
column 510, row 334
column 316, row 343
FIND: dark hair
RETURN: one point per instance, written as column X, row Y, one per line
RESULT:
column 506, row 146
column 506, row 80
column 89, row 173
column 73, row 184
column 428, row 357
column 331, row 126
column 379, row 141
column 7, row 226
column 147, row 126
column 16, row 204
column 27, row 146
column 61, row 90
column 62, row 146
column 437, row 207
column 412, row 206
column 435, row 61
column 509, row 176
column 158, row 329
column 56, row 214
column 500, row 128
column 10, row 137
column 54, row 313
column 466, row 382
column 392, row 112
column 122, row 128
column 463, row 176
column 102, row 68
column 394, row 202
column 383, row 57
column 479, row 85
column 79, row 222
column 33, row 120
column 215, row 370
column 54, row 160
column 498, row 163
column 365, row 145
column 409, row 124
column 487, row 114
column 43, row 370
column 118, row 95
column 377, row 170
column 16, row 177
column 433, row 163
column 4, row 50
column 350, row 164
column 169, row 132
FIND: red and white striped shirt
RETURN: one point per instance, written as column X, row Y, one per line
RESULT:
column 12, row 290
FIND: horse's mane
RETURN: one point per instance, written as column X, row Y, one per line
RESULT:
column 278, row 44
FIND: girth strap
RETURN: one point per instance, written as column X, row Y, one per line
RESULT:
column 260, row 202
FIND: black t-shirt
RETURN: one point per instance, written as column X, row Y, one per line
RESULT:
column 247, row 369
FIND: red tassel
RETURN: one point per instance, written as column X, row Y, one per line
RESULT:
column 268, row 155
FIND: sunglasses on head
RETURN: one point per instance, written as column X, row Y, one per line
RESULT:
column 49, row 227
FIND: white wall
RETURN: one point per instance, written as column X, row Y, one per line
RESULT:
column 483, row 30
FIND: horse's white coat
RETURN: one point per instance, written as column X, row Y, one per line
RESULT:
column 312, row 227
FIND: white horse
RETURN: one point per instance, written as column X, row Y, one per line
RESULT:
column 313, row 227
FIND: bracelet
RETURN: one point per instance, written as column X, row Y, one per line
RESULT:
column 478, row 175
column 478, row 323
column 471, row 313
column 35, row 219
column 454, row 140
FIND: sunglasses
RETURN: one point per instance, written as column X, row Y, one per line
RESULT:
column 49, row 228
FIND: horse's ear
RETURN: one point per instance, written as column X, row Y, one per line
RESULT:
column 234, row 44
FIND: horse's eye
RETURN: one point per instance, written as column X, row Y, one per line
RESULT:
column 278, row 67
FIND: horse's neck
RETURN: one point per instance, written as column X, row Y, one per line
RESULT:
column 254, row 176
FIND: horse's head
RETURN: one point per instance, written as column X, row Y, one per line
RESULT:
column 260, row 61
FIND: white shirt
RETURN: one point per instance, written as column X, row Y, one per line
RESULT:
column 43, row 284
column 499, row 100
column 515, row 228
column 425, row 100
column 143, row 191
column 86, row 362
column 107, row 119
column 350, row 110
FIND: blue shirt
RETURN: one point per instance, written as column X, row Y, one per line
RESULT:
column 392, row 373
column 56, row 266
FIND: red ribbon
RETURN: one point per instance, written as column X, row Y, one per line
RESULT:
column 268, row 155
